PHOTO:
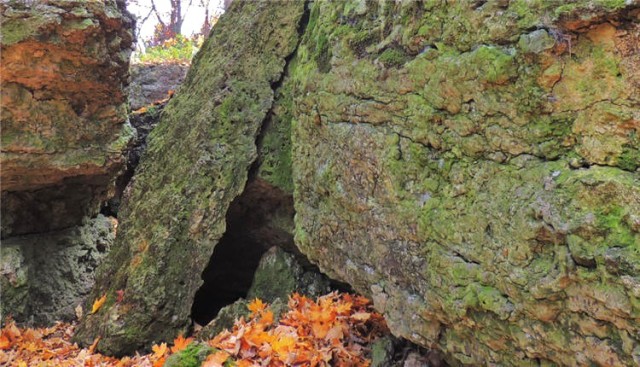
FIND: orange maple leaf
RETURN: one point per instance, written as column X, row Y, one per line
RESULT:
column 256, row 305
column 4, row 342
column 159, row 351
column 98, row 303
column 159, row 362
column 267, row 318
column 216, row 359
column 180, row 343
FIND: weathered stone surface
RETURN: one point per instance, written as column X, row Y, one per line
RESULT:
column 278, row 275
column 196, row 163
column 64, row 67
column 152, row 82
column 473, row 167
column 44, row 277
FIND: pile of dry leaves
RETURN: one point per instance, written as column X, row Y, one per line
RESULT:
column 335, row 330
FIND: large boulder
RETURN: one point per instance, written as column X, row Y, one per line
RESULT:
column 196, row 163
column 473, row 167
column 64, row 68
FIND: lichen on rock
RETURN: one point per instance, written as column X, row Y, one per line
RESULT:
column 195, row 165
column 64, row 68
column 45, row 277
column 473, row 167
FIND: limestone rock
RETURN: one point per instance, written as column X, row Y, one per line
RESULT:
column 473, row 167
column 64, row 68
column 196, row 163
column 44, row 277
column 279, row 275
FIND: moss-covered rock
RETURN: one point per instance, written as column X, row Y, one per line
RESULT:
column 64, row 109
column 473, row 167
column 196, row 163
column 279, row 275
column 44, row 277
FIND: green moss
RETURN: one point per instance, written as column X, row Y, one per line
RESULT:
column 16, row 30
column 629, row 159
column 619, row 234
column 497, row 65
column 392, row 57
column 323, row 54
column 192, row 356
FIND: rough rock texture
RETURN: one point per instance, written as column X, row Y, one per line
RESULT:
column 196, row 163
column 43, row 284
column 143, row 122
column 278, row 275
column 473, row 167
column 152, row 82
column 64, row 67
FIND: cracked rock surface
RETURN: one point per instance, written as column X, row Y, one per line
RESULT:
column 473, row 167
column 197, row 161
column 64, row 67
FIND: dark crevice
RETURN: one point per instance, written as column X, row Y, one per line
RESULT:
column 252, row 228
column 144, row 123
column 275, row 86
column 260, row 218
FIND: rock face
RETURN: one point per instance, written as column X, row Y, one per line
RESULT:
column 64, row 67
column 473, row 166
column 45, row 277
column 196, row 163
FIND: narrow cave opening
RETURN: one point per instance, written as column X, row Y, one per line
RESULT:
column 258, row 219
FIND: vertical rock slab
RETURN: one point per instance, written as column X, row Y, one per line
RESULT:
column 64, row 68
column 473, row 167
column 196, row 163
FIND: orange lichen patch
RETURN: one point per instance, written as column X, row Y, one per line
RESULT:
column 603, row 34
column 58, row 68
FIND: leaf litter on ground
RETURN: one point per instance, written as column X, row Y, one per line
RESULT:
column 335, row 330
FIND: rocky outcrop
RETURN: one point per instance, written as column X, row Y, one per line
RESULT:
column 64, row 68
column 473, row 167
column 44, row 277
column 195, row 165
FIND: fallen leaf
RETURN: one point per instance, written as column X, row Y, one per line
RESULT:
column 159, row 362
column 98, row 303
column 120, row 295
column 4, row 342
column 256, row 305
column 93, row 346
column 180, row 343
column 361, row 316
column 216, row 359
column 79, row 312
column 159, row 351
